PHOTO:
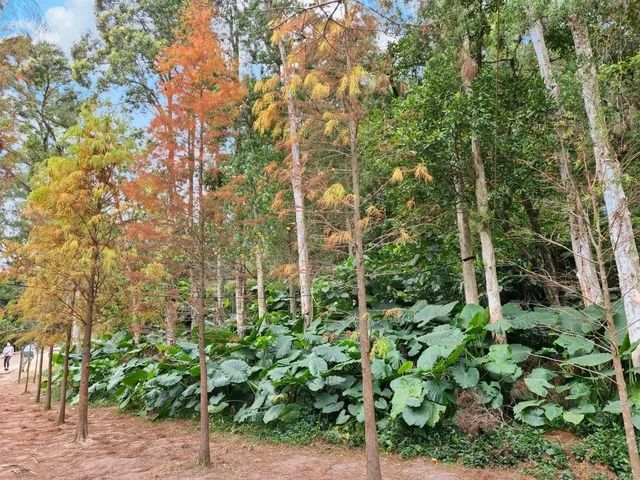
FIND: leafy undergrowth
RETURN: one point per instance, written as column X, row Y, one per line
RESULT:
column 518, row 447
column 606, row 446
column 442, row 388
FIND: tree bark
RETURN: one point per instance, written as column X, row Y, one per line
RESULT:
column 370, row 428
column 621, row 384
column 47, row 400
column 580, row 244
column 297, row 168
column 262, row 302
column 171, row 316
column 82, row 427
column 467, row 256
column 26, row 384
column 468, row 73
column 241, row 315
column 219, row 291
column 204, row 455
column 609, row 174
column 65, row 377
column 39, row 385
column 371, row 433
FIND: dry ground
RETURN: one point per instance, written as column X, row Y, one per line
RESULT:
column 126, row 447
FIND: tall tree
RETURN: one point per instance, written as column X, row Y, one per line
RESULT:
column 177, row 183
column 580, row 242
column 609, row 173
column 80, row 195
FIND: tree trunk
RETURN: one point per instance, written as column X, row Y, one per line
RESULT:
column 241, row 316
column 297, row 168
column 220, row 291
column 26, row 385
column 621, row 384
column 580, row 244
column 65, row 377
column 549, row 274
column 262, row 302
column 39, row 386
column 468, row 72
column 171, row 316
column 47, row 401
column 371, row 433
column 204, row 455
column 35, row 366
column 82, row 427
column 609, row 174
column 466, row 249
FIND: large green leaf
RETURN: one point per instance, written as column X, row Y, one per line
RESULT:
column 575, row 344
column 331, row 353
column 529, row 412
column 428, row 413
column 468, row 312
column 465, row 377
column 168, row 379
column 443, row 335
column 317, row 365
column 591, row 360
column 430, row 312
column 282, row 346
column 404, row 388
column 432, row 354
column 237, row 371
column 538, row 381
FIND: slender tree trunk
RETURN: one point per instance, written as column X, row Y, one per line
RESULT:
column 621, row 384
column 20, row 367
column 262, row 302
column 586, row 271
column 550, row 283
column 65, row 377
column 39, row 385
column 370, row 428
column 609, row 173
column 171, row 316
column 297, row 168
column 468, row 72
column 204, row 455
column 241, row 316
column 466, row 249
column 26, row 385
column 82, row 426
column 35, row 366
column 219, row 291
column 47, row 401
column 371, row 433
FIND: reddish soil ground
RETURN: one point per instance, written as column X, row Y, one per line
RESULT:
column 127, row 448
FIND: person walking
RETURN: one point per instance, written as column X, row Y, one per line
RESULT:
column 7, row 353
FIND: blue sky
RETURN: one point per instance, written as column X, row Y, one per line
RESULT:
column 63, row 21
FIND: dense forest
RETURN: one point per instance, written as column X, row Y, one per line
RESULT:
column 408, row 224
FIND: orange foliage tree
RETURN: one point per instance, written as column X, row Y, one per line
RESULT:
column 178, row 184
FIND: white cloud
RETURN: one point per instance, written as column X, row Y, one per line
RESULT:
column 66, row 23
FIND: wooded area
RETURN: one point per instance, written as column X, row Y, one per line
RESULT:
column 408, row 224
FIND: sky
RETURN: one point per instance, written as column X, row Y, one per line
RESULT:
column 63, row 21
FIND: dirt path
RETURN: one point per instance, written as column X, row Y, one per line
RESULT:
column 127, row 447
